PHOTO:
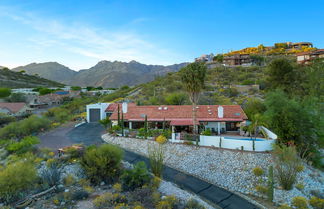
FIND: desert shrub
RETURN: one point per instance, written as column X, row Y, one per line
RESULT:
column 161, row 139
column 207, row 132
column 117, row 187
column 142, row 195
column 261, row 189
column 74, row 152
column 155, row 183
column 300, row 168
column 156, row 157
column 24, row 145
column 102, row 163
column 169, row 202
column 108, row 199
column 316, row 203
column 257, row 171
column 58, row 114
column 284, row 206
column 80, row 195
column 51, row 175
column 300, row 186
column 299, row 202
column 142, row 132
column 193, row 204
column 69, row 180
column 136, row 177
column 286, row 165
column 16, row 178
column 28, row 126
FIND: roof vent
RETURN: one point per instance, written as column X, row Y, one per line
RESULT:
column 160, row 108
column 165, row 108
column 197, row 107
column 210, row 113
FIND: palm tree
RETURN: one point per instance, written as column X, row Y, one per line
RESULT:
column 256, row 121
column 193, row 78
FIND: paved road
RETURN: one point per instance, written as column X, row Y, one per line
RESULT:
column 91, row 134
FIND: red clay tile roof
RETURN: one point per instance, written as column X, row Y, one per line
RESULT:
column 174, row 112
column 13, row 107
column 112, row 107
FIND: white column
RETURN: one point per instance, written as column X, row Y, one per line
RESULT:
column 172, row 129
column 130, row 124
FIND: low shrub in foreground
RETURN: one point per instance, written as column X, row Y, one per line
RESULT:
column 161, row 139
column 108, row 200
column 287, row 164
column 156, row 157
column 193, row 204
column 136, row 177
column 300, row 202
column 102, row 163
column 16, row 178
column 316, row 203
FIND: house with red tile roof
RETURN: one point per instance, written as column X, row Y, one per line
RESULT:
column 14, row 109
column 218, row 118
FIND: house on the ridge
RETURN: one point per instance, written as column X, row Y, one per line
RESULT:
column 218, row 118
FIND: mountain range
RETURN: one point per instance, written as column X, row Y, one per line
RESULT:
column 105, row 73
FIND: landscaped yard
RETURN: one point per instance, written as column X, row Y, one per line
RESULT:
column 232, row 170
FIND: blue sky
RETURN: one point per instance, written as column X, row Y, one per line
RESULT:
column 78, row 34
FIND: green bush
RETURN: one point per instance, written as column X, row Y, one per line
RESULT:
column 102, row 163
column 300, row 186
column 316, row 203
column 261, row 189
column 193, row 204
column 108, row 200
column 207, row 132
column 58, row 114
column 287, row 163
column 137, row 177
column 28, row 126
column 51, row 175
column 16, row 178
column 24, row 145
column 284, row 206
column 257, row 171
column 156, row 157
column 299, row 202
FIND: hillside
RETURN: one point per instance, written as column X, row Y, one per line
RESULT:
column 10, row 79
column 49, row 70
column 220, row 87
column 105, row 73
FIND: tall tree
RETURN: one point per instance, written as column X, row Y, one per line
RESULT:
column 4, row 92
column 281, row 74
column 193, row 78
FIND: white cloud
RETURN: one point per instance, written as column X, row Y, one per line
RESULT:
column 95, row 43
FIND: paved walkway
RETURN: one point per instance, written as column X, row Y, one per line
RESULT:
column 91, row 134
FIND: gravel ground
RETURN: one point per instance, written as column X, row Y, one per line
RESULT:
column 231, row 170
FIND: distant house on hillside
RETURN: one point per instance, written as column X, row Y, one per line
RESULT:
column 28, row 91
column 299, row 45
column 205, row 58
column 14, row 109
column 307, row 57
column 237, row 60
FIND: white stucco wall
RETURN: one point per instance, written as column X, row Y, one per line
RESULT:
column 236, row 143
column 101, row 106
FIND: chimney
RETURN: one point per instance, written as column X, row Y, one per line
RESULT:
column 220, row 112
column 124, row 107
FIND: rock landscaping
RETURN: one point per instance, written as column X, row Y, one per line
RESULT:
column 232, row 170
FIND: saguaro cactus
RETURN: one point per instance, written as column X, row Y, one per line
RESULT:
column 270, row 184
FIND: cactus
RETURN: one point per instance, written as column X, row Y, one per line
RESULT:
column 145, row 127
column 270, row 184
column 220, row 142
column 253, row 144
column 122, row 124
